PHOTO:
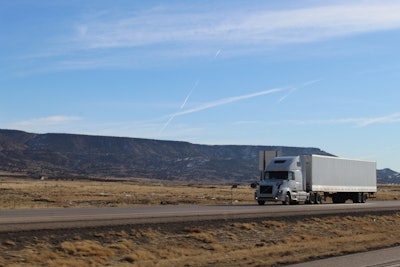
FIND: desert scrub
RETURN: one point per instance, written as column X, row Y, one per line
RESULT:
column 86, row 248
column 32, row 194
column 251, row 242
column 17, row 193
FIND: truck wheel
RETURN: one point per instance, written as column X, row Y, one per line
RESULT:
column 261, row 202
column 312, row 199
column 288, row 200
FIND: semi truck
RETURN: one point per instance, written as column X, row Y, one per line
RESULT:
column 312, row 179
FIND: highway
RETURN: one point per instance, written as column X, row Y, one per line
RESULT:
column 388, row 257
column 14, row 220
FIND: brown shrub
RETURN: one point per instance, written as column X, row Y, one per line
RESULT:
column 245, row 226
column 192, row 230
column 86, row 248
column 203, row 237
column 272, row 224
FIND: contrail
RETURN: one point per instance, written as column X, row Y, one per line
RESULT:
column 294, row 89
column 186, row 99
column 217, row 54
column 182, row 106
column 288, row 94
column 190, row 93
column 220, row 103
column 167, row 123
column 227, row 101
column 310, row 82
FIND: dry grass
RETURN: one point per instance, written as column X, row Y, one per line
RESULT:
column 388, row 192
column 252, row 243
column 32, row 194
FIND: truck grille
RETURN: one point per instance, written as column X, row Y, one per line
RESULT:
column 266, row 189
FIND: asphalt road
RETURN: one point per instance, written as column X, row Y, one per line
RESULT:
column 389, row 257
column 11, row 220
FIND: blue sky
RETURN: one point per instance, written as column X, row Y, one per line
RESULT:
column 295, row 73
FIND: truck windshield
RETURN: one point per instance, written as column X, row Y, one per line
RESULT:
column 279, row 175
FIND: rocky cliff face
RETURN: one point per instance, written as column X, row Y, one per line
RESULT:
column 68, row 155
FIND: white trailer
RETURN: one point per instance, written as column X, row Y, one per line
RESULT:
column 313, row 178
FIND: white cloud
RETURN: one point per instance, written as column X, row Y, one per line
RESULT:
column 140, row 37
column 44, row 123
column 260, row 26
column 392, row 118
column 358, row 122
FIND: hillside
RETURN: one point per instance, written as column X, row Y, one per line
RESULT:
column 70, row 155
column 388, row 176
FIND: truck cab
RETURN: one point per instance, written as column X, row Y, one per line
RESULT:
column 312, row 178
column 282, row 180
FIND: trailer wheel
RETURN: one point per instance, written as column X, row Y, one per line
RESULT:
column 288, row 200
column 318, row 198
column 261, row 202
column 363, row 197
column 357, row 197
